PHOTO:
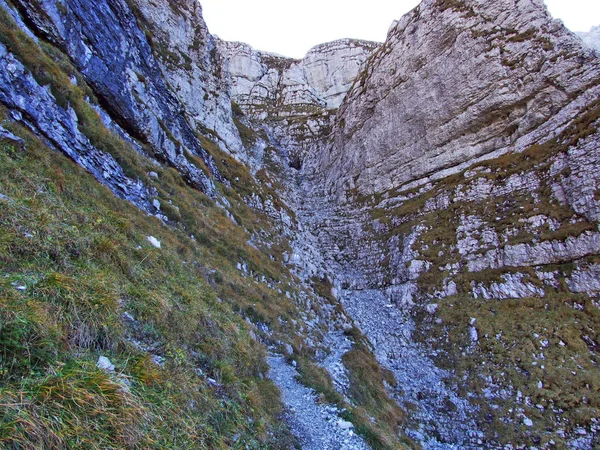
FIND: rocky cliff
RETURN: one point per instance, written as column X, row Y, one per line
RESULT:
column 409, row 227
column 296, row 98
column 458, row 177
column 505, row 72
column 264, row 83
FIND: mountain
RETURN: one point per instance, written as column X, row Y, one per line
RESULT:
column 591, row 38
column 386, row 245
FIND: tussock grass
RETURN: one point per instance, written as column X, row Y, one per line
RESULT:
column 82, row 258
column 367, row 388
column 64, row 409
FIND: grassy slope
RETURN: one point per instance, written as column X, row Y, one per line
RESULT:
column 84, row 260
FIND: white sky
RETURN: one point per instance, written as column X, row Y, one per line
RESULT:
column 292, row 27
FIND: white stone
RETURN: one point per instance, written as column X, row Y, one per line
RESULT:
column 105, row 364
column 432, row 308
column 473, row 334
column 345, row 425
column 153, row 241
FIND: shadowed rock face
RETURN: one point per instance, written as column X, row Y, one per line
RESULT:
column 146, row 77
column 36, row 106
column 453, row 83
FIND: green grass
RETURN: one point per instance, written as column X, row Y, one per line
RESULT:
column 456, row 5
column 247, row 134
column 83, row 257
column 512, row 336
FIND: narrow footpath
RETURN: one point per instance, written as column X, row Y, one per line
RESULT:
column 317, row 426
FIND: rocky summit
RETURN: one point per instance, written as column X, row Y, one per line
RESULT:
column 379, row 246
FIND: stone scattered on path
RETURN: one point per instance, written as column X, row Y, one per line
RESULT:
column 317, row 426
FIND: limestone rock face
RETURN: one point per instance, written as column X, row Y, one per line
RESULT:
column 35, row 104
column 268, row 83
column 461, row 166
column 161, row 87
column 591, row 38
column 192, row 65
column 453, row 82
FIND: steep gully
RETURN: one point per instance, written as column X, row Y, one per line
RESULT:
column 290, row 88
column 362, row 127
column 445, row 74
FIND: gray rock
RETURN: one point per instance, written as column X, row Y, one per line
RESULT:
column 462, row 85
column 311, row 421
column 20, row 91
column 153, row 241
column 105, row 364
column 6, row 135
column 261, row 82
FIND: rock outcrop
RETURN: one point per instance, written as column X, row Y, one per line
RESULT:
column 161, row 87
column 463, row 79
column 35, row 106
column 266, row 84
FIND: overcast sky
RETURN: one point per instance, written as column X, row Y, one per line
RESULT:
column 292, row 27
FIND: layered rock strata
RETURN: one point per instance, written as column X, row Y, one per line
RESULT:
column 454, row 81
column 266, row 84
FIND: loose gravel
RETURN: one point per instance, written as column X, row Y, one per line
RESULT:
column 317, row 426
